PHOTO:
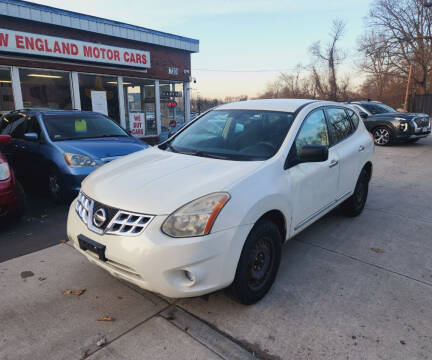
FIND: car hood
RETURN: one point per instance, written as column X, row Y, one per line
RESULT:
column 158, row 182
column 100, row 148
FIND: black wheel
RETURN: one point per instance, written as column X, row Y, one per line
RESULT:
column 382, row 136
column 258, row 264
column 354, row 205
column 21, row 202
column 56, row 188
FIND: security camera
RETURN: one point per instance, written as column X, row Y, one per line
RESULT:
column 194, row 80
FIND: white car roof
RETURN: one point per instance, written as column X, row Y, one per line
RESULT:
column 288, row 105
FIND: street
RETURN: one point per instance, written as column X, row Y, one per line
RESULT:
column 347, row 288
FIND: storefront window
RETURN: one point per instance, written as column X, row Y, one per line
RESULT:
column 6, row 95
column 100, row 94
column 172, row 104
column 45, row 88
column 140, row 106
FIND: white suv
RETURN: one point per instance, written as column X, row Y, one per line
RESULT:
column 211, row 206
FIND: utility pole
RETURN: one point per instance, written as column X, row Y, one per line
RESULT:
column 408, row 88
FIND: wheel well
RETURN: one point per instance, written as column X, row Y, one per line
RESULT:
column 368, row 168
column 383, row 125
column 278, row 218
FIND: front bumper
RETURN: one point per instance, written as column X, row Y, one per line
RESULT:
column 172, row 267
column 413, row 132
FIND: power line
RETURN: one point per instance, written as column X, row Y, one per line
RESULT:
column 245, row 71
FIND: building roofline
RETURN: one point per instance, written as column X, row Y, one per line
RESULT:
column 51, row 15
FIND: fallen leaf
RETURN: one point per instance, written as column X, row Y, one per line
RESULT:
column 101, row 341
column 377, row 250
column 106, row 318
column 73, row 292
column 85, row 354
column 63, row 241
column 42, row 278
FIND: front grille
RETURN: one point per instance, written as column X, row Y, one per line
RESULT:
column 117, row 222
column 422, row 121
column 126, row 223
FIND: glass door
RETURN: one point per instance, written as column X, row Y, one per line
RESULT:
column 140, row 106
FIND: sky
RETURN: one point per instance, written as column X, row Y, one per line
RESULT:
column 244, row 44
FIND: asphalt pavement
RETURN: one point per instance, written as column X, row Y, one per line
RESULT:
column 348, row 288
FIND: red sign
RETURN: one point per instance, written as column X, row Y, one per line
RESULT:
column 172, row 104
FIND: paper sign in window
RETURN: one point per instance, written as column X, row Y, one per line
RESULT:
column 80, row 126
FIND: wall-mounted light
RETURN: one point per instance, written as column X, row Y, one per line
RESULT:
column 5, row 81
column 115, row 83
column 46, row 76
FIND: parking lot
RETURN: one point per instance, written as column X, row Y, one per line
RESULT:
column 348, row 288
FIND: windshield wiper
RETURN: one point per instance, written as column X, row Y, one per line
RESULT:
column 204, row 154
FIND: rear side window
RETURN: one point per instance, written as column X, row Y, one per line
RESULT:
column 354, row 118
column 313, row 131
column 339, row 123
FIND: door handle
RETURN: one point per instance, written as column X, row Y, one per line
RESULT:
column 333, row 163
column 361, row 148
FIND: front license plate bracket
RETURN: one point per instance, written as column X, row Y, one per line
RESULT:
column 86, row 243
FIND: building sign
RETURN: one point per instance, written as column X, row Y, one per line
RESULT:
column 137, row 124
column 171, row 94
column 36, row 44
column 173, row 71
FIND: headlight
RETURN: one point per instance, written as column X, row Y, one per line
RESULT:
column 403, row 126
column 4, row 171
column 195, row 218
column 79, row 161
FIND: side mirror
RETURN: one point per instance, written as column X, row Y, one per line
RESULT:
column 31, row 136
column 5, row 139
column 363, row 115
column 313, row 153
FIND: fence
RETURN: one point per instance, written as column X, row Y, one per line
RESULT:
column 421, row 104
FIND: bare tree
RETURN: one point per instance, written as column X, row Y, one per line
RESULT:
column 331, row 56
column 405, row 27
column 376, row 61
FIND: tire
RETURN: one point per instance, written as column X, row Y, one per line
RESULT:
column 382, row 136
column 56, row 187
column 21, row 202
column 258, row 264
column 354, row 205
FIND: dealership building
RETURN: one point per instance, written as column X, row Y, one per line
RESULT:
column 52, row 58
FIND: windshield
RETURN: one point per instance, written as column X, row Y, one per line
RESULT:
column 375, row 108
column 234, row 135
column 80, row 126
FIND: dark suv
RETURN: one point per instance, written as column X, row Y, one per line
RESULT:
column 388, row 125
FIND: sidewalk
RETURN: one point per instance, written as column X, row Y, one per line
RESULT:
column 37, row 321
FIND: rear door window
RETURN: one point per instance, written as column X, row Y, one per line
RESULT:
column 354, row 118
column 339, row 123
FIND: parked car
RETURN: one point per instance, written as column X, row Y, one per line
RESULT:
column 208, row 210
column 389, row 126
column 12, row 196
column 60, row 148
column 167, row 132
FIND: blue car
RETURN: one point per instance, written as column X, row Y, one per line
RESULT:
column 60, row 148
